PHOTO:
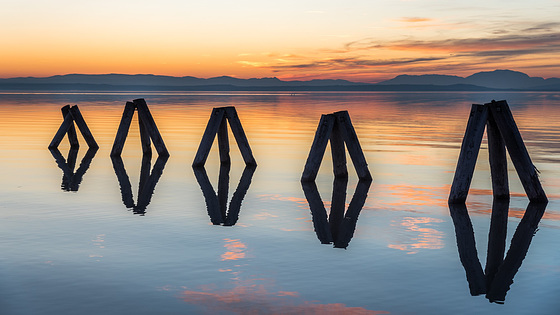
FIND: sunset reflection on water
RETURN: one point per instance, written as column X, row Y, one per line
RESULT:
column 66, row 249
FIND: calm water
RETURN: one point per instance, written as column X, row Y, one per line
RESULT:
column 90, row 241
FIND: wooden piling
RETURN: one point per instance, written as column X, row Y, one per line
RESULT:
column 72, row 114
column 62, row 130
column 469, row 153
column 72, row 136
column 353, row 145
column 315, row 157
column 498, row 160
column 336, row 128
column 517, row 151
column 338, row 151
column 148, row 121
column 223, row 141
column 217, row 124
column 124, row 126
column 149, row 132
column 208, row 137
column 81, row 123
column 144, row 137
column 239, row 135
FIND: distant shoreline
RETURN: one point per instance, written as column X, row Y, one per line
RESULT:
column 232, row 88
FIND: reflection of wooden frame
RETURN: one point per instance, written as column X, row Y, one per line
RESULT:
column 502, row 134
column 216, row 203
column 337, row 128
column 339, row 226
column 72, row 114
column 217, row 124
column 71, row 180
column 147, row 184
column 499, row 272
column 148, row 129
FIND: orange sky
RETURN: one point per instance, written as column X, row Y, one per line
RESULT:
column 361, row 40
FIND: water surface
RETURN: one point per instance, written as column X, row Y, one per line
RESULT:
column 96, row 239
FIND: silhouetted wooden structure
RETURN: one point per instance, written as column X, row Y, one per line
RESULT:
column 496, row 278
column 72, row 114
column 217, row 124
column 502, row 133
column 336, row 127
column 148, row 129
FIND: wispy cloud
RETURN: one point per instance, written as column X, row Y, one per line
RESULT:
column 414, row 19
column 542, row 42
column 537, row 42
column 351, row 62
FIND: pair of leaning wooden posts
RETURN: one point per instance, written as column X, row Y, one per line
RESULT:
column 502, row 133
column 495, row 117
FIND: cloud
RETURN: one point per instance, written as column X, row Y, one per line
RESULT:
column 528, row 45
column 414, row 19
column 543, row 42
column 351, row 63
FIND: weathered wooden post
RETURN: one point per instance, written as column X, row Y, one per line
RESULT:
column 336, row 128
column 149, row 132
column 72, row 136
column 72, row 114
column 217, row 124
column 526, row 171
column 468, row 154
column 502, row 134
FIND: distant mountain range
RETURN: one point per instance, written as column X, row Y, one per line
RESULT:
column 481, row 81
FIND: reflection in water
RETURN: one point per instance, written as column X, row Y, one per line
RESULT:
column 255, row 294
column 498, row 275
column 147, row 183
column 338, row 227
column 71, row 180
column 216, row 204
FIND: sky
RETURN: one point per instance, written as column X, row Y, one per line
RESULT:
column 358, row 40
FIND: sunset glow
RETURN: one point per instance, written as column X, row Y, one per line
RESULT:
column 364, row 41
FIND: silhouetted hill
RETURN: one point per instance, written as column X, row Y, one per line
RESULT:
column 497, row 79
column 162, row 80
column 435, row 79
column 481, row 81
